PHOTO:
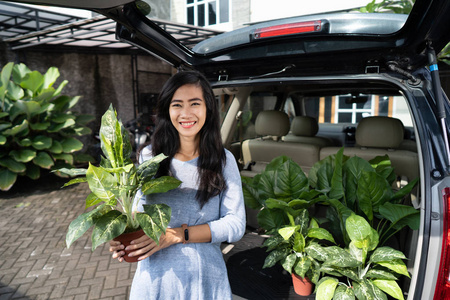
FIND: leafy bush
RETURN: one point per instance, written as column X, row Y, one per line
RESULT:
column 37, row 127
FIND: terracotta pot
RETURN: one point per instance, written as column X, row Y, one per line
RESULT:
column 302, row 286
column 125, row 239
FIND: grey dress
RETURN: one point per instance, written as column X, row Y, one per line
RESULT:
column 193, row 270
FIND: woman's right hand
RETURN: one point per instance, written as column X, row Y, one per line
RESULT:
column 117, row 248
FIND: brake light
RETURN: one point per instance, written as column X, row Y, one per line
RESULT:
column 443, row 281
column 287, row 29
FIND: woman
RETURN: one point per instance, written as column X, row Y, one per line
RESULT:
column 207, row 208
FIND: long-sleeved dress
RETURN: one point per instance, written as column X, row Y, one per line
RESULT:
column 193, row 270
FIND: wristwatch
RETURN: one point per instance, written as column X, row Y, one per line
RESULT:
column 185, row 233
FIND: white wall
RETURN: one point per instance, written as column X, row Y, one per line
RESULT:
column 262, row 10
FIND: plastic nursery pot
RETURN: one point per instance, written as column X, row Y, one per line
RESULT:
column 125, row 239
column 302, row 286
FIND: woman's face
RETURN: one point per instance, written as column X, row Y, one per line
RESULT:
column 188, row 110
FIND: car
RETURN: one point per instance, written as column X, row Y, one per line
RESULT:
column 308, row 86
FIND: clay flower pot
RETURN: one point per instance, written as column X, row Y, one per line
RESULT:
column 125, row 239
column 302, row 286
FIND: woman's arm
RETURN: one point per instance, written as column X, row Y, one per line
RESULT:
column 146, row 247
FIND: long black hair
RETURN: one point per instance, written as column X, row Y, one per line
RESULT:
column 166, row 140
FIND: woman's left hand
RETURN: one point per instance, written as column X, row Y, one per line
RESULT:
column 146, row 247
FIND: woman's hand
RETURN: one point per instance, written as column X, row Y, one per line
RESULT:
column 117, row 249
column 146, row 247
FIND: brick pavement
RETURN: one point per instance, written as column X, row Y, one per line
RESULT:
column 34, row 261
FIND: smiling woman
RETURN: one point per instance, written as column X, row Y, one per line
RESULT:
column 207, row 208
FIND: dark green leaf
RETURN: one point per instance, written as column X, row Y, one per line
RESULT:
column 251, row 195
column 43, row 160
column 7, row 179
column 41, row 142
column 373, row 191
column 271, row 219
column 337, row 188
column 12, row 165
column 401, row 215
column 71, row 145
column 23, row 155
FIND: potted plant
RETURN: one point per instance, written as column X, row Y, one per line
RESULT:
column 282, row 195
column 289, row 244
column 364, row 269
column 114, row 185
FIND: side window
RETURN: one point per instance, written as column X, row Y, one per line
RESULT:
column 256, row 103
column 207, row 12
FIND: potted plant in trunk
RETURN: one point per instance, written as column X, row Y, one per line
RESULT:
column 114, row 185
column 290, row 245
column 364, row 269
column 282, row 195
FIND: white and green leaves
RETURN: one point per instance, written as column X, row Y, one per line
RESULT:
column 371, row 278
column 114, row 185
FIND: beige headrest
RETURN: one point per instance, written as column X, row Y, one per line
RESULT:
column 379, row 132
column 304, row 126
column 272, row 122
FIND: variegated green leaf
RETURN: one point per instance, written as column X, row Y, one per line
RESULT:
column 160, row 185
column 396, row 265
column 302, row 266
column 320, row 234
column 386, row 254
column 326, row 288
column 390, row 287
column 357, row 228
column 289, row 262
column 101, row 182
column 81, row 224
column 344, row 293
column 107, row 227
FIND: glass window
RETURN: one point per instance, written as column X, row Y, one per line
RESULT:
column 190, row 15
column 201, row 15
column 207, row 12
column 212, row 13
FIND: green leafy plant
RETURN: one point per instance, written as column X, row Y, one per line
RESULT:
column 282, row 195
column 37, row 127
column 114, row 185
column 363, row 270
column 289, row 245
column 280, row 185
column 353, row 185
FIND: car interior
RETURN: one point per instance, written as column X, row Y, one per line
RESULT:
column 309, row 123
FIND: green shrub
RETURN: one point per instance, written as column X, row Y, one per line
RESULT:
column 37, row 127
